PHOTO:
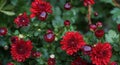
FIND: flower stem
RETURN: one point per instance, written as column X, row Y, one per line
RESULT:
column 89, row 14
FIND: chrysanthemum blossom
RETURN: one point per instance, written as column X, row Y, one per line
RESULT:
column 22, row 20
column 21, row 50
column 101, row 54
column 72, row 42
column 40, row 8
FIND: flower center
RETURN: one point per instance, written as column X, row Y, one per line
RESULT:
column 72, row 42
column 22, row 19
column 21, row 49
column 101, row 54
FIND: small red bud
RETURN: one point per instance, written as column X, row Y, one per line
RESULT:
column 99, row 24
column 3, row 31
column 93, row 27
column 99, row 33
column 95, row 14
column 66, row 23
column 36, row 54
column 49, row 37
column 68, row 6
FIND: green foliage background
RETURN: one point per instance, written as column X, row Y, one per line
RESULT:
column 108, row 14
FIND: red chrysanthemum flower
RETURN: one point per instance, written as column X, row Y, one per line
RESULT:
column 21, row 50
column 40, row 6
column 78, row 61
column 22, row 20
column 88, row 2
column 101, row 54
column 72, row 42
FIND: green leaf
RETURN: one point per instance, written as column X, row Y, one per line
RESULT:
column 71, row 15
column 8, row 7
column 40, row 61
column 57, row 11
column 61, row 3
column 116, row 15
column 2, row 3
column 14, row 2
column 115, row 10
column 10, row 13
column 107, row 1
column 59, row 50
column 58, row 22
column 2, row 43
column 111, row 36
column 116, row 48
column 25, row 29
column 16, row 32
column 114, row 58
column 36, row 33
column 83, row 10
